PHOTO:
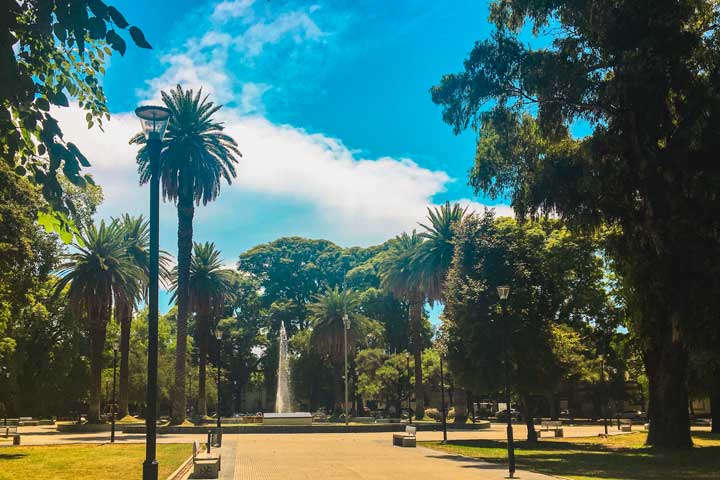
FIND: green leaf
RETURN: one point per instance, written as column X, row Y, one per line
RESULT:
column 60, row 32
column 117, row 17
column 42, row 104
column 139, row 38
column 20, row 171
column 60, row 99
column 76, row 151
column 98, row 8
column 96, row 28
column 116, row 41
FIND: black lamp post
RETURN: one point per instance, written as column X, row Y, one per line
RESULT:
column 112, row 406
column 442, row 400
column 503, row 292
column 603, row 394
column 407, row 361
column 154, row 121
column 218, row 336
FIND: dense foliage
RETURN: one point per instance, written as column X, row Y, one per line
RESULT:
column 642, row 76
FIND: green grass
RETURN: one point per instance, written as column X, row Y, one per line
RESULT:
column 622, row 457
column 97, row 462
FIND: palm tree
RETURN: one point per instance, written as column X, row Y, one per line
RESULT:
column 99, row 269
column 400, row 275
column 326, row 314
column 210, row 287
column 136, row 241
column 434, row 255
column 196, row 156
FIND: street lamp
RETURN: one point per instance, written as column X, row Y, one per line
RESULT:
column 112, row 406
column 503, row 292
column 603, row 392
column 218, row 336
column 442, row 399
column 154, row 121
column 407, row 362
column 346, row 327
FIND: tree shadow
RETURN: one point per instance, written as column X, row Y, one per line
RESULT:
column 12, row 456
column 599, row 460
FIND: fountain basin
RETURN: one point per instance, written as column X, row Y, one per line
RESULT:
column 295, row 418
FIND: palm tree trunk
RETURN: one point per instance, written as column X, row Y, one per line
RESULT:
column 98, row 330
column 186, row 212
column 202, row 327
column 416, row 305
column 125, row 322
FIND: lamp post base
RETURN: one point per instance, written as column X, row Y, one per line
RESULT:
column 150, row 470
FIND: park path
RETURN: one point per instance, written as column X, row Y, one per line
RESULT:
column 357, row 456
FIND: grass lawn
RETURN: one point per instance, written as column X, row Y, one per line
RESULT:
column 622, row 457
column 97, row 462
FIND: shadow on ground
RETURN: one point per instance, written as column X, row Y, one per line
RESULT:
column 626, row 459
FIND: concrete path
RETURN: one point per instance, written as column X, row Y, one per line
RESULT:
column 357, row 456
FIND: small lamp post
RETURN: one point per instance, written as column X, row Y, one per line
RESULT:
column 218, row 336
column 407, row 362
column 603, row 393
column 442, row 400
column 154, row 121
column 346, row 327
column 503, row 292
column 112, row 406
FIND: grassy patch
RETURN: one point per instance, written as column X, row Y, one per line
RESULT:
column 99, row 462
column 622, row 457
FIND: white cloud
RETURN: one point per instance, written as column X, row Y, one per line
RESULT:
column 368, row 198
column 230, row 9
column 501, row 209
column 297, row 25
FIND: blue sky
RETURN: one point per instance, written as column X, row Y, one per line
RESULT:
column 329, row 102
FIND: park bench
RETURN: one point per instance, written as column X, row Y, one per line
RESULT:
column 406, row 439
column 205, row 464
column 554, row 426
column 11, row 431
column 625, row 425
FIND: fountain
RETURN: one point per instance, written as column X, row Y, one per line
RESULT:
column 283, row 397
column 284, row 414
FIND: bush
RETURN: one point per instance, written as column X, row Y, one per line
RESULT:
column 434, row 414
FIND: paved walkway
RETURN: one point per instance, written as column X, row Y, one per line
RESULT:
column 357, row 456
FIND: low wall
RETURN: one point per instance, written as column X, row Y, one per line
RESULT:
column 316, row 428
column 85, row 427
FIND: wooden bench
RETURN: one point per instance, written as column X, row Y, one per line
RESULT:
column 205, row 464
column 406, row 439
column 10, row 431
column 554, row 426
column 625, row 425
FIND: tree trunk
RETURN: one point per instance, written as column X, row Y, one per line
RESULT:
column 416, row 305
column 715, row 401
column 202, row 327
column 666, row 364
column 98, row 330
column 186, row 211
column 125, row 323
column 528, row 412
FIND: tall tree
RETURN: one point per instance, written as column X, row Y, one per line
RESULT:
column 196, row 156
column 435, row 254
column 400, row 274
column 99, row 268
column 641, row 74
column 491, row 252
column 328, row 330
column 210, row 287
column 51, row 50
